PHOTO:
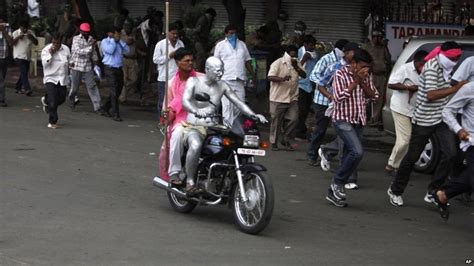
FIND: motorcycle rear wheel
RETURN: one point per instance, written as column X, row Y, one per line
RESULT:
column 254, row 215
column 181, row 205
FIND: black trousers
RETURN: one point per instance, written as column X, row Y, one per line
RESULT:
column 305, row 99
column 322, row 124
column 464, row 183
column 3, row 74
column 55, row 96
column 114, row 78
column 23, row 82
column 419, row 138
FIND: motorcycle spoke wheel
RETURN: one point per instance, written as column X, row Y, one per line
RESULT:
column 253, row 215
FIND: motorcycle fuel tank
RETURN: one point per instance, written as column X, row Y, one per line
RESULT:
column 213, row 145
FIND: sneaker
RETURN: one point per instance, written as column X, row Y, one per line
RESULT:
column 325, row 165
column 29, row 93
column 275, row 147
column 45, row 105
column 3, row 104
column 395, row 200
column 429, row 198
column 332, row 198
column 338, row 191
column 351, row 186
column 53, row 126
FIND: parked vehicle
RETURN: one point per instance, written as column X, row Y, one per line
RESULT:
column 228, row 174
column 430, row 156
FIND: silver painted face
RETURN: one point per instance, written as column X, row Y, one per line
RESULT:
column 214, row 68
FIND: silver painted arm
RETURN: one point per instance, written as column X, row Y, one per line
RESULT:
column 188, row 96
column 232, row 96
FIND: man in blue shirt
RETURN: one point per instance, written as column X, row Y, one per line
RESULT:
column 320, row 100
column 308, row 58
column 113, row 49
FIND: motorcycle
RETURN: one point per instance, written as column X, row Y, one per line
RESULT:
column 228, row 174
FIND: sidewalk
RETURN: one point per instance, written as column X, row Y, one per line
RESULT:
column 373, row 139
column 37, row 86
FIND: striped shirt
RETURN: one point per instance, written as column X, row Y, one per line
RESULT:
column 350, row 106
column 429, row 113
column 317, row 76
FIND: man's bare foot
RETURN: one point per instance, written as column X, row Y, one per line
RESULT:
column 442, row 196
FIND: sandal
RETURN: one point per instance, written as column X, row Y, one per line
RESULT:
column 175, row 182
column 389, row 168
column 192, row 191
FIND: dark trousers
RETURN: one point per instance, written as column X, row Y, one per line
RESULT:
column 464, row 183
column 114, row 78
column 161, row 86
column 322, row 124
column 305, row 99
column 23, row 82
column 3, row 74
column 55, row 96
column 419, row 138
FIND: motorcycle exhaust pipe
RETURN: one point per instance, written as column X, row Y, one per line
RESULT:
column 160, row 183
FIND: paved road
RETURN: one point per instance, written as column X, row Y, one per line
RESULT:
column 82, row 195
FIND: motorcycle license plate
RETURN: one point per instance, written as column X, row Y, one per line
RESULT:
column 252, row 152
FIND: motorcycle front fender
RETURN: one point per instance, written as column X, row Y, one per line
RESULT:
column 252, row 167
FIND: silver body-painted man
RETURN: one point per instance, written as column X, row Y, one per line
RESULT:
column 201, row 114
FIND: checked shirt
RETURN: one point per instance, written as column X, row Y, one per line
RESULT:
column 82, row 53
column 350, row 106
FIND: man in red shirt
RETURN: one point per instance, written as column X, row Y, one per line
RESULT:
column 352, row 87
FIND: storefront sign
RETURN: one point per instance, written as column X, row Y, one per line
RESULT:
column 396, row 33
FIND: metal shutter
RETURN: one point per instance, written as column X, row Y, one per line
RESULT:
column 328, row 20
column 98, row 9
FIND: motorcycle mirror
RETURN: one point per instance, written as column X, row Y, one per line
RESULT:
column 202, row 97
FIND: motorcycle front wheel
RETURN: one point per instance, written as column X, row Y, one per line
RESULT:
column 255, row 214
column 180, row 204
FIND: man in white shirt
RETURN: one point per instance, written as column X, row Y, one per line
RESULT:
column 465, row 71
column 405, row 83
column 160, row 59
column 233, row 52
column 23, row 38
column 55, row 58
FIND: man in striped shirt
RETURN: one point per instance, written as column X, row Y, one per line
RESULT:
column 352, row 87
column 433, row 95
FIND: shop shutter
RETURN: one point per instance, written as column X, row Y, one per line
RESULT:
column 98, row 9
column 328, row 20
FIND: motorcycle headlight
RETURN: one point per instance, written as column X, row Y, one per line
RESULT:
column 251, row 141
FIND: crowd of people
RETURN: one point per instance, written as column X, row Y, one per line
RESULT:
column 337, row 88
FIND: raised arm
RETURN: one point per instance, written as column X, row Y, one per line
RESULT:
column 108, row 46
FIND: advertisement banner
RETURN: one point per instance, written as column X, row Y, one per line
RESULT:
column 396, row 33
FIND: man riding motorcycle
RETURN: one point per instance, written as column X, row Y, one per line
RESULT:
column 202, row 114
